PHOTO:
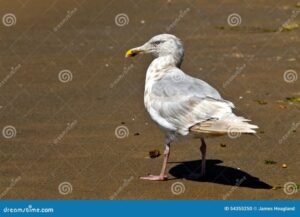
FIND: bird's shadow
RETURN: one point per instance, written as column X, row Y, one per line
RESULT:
column 215, row 173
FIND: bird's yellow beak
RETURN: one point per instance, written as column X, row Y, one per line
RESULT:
column 132, row 52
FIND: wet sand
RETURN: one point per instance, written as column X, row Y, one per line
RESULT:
column 66, row 87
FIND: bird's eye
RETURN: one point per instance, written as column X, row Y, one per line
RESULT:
column 157, row 42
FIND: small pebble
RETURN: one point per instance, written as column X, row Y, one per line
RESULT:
column 276, row 187
column 284, row 166
column 282, row 106
column 136, row 134
column 223, row 145
column 122, row 122
column 142, row 21
column 291, row 60
column 154, row 153
column 106, row 65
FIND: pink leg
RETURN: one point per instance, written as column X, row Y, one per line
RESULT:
column 162, row 176
column 203, row 152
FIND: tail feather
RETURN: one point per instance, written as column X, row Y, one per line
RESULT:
column 229, row 125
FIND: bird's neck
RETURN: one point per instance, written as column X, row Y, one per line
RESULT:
column 158, row 69
column 162, row 63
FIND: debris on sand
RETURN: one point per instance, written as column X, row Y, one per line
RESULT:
column 154, row 153
column 282, row 106
column 223, row 145
column 290, row 26
column 276, row 187
column 269, row 162
column 122, row 122
column 261, row 102
column 293, row 99
column 284, row 166
column 136, row 134
column 248, row 29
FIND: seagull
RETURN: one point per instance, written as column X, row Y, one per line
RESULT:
column 181, row 104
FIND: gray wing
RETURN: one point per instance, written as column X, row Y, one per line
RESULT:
column 182, row 101
column 176, row 82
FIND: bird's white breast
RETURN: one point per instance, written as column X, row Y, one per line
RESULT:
column 157, row 69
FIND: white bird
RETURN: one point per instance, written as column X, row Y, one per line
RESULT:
column 181, row 104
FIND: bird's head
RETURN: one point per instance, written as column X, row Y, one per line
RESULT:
column 160, row 45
